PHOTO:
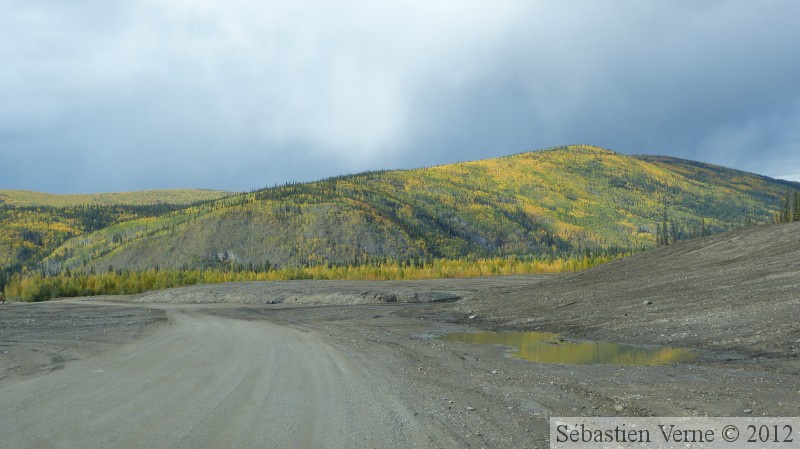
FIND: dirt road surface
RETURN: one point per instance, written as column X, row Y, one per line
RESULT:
column 253, row 365
column 209, row 381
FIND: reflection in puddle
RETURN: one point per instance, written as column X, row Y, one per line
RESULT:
column 545, row 347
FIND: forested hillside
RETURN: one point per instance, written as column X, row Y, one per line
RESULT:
column 551, row 203
column 564, row 208
column 33, row 225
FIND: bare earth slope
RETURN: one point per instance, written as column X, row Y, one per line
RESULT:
column 739, row 290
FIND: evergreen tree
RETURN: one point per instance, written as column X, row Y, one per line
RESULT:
column 665, row 229
column 674, row 232
column 786, row 210
column 796, row 213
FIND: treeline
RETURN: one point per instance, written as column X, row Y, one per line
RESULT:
column 39, row 287
column 790, row 208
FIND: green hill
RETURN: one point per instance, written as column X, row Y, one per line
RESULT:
column 33, row 224
column 26, row 198
column 556, row 202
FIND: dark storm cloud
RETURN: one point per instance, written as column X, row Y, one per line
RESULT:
column 710, row 82
column 100, row 96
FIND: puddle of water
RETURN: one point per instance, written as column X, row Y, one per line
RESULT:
column 545, row 347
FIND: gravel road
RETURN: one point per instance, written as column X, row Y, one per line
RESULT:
column 208, row 381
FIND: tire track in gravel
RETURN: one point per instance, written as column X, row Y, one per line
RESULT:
column 207, row 381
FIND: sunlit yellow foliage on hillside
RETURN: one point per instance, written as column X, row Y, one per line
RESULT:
column 39, row 288
column 552, row 202
column 552, row 205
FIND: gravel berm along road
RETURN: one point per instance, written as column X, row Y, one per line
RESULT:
column 209, row 381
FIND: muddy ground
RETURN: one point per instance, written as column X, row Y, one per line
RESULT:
column 733, row 298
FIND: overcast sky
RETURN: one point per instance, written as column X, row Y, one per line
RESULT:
column 114, row 95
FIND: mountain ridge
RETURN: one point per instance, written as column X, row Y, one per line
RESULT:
column 547, row 203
